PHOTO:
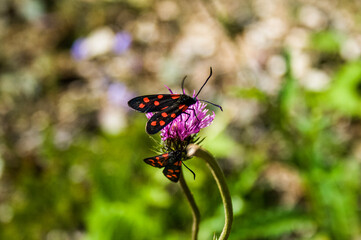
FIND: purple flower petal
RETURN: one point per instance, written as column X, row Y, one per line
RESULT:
column 170, row 90
column 78, row 49
column 122, row 42
column 118, row 94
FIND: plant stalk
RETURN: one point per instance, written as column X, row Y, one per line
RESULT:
column 195, row 211
column 197, row 151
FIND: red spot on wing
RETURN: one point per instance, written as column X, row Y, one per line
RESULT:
column 141, row 105
column 173, row 115
column 160, row 96
column 153, row 123
column 164, row 114
column 157, row 158
column 146, row 99
column 156, row 103
column 183, row 107
column 164, row 107
column 165, row 155
column 175, row 96
column 161, row 122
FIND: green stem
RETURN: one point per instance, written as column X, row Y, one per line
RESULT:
column 197, row 151
column 192, row 203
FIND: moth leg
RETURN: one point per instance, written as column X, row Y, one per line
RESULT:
column 185, row 125
column 195, row 114
column 188, row 116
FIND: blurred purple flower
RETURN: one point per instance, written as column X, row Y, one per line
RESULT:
column 118, row 94
column 78, row 49
column 184, row 125
column 122, row 42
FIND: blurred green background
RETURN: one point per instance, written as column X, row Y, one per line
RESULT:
column 287, row 73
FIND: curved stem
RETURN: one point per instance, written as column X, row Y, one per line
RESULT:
column 195, row 150
column 192, row 203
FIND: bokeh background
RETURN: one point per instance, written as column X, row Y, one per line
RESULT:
column 287, row 73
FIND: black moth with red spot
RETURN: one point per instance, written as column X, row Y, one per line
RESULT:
column 166, row 107
column 171, row 162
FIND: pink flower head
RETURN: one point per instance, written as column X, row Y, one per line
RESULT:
column 186, row 125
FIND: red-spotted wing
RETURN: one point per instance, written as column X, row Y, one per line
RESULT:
column 166, row 107
column 171, row 162
column 172, row 171
column 159, row 161
column 153, row 103
column 161, row 119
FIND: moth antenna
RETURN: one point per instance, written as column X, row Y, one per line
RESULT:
column 194, row 175
column 218, row 106
column 210, row 74
column 183, row 84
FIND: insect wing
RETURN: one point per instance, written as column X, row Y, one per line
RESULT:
column 153, row 103
column 161, row 119
column 159, row 161
column 172, row 171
